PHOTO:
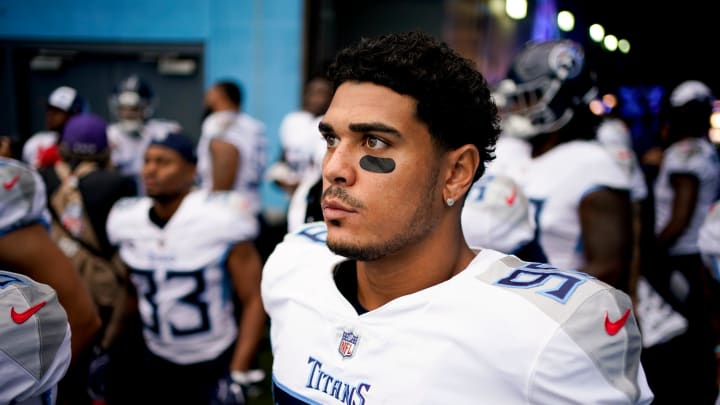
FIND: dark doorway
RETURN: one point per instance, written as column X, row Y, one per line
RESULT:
column 34, row 69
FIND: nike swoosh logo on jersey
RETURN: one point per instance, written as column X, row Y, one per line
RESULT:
column 511, row 199
column 10, row 184
column 613, row 327
column 21, row 317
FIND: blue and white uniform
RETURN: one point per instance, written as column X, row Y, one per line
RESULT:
column 555, row 183
column 615, row 136
column 709, row 240
column 180, row 271
column 247, row 134
column 23, row 199
column 502, row 331
column 693, row 156
column 34, row 341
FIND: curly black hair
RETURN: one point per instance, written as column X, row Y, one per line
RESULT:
column 453, row 97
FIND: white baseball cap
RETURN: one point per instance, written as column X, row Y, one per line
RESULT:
column 688, row 91
column 63, row 98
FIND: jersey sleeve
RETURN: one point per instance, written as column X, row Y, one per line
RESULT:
column 602, row 171
column 709, row 240
column 233, row 214
column 22, row 198
column 216, row 124
column 34, row 339
column 121, row 223
column 594, row 357
column 591, row 353
column 685, row 157
column 302, row 250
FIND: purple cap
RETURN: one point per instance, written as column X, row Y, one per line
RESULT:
column 85, row 134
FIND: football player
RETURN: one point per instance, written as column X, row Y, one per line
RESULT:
column 26, row 247
column 579, row 194
column 132, row 103
column 687, row 183
column 41, row 149
column 232, row 147
column 384, row 302
column 187, row 252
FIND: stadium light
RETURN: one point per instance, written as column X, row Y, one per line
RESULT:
column 516, row 9
column 566, row 20
column 597, row 32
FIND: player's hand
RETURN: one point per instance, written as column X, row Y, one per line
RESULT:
column 237, row 386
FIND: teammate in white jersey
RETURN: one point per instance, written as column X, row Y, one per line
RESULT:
column 299, row 136
column 232, row 147
column 27, row 248
column 385, row 302
column 709, row 244
column 709, row 240
column 41, row 149
column 34, row 341
column 133, row 103
column 687, row 183
column 191, row 256
column 579, row 194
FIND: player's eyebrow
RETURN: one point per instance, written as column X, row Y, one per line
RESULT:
column 373, row 127
column 361, row 127
column 325, row 128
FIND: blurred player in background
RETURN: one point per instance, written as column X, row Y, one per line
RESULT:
column 232, row 149
column 687, row 183
column 132, row 104
column 26, row 248
column 579, row 194
column 191, row 258
column 41, row 149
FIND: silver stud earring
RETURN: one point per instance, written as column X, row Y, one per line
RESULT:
column 450, row 202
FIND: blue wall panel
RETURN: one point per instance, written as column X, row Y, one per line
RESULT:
column 256, row 42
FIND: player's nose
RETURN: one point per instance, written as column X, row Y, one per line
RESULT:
column 339, row 165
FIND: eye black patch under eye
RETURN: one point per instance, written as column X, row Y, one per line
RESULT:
column 377, row 164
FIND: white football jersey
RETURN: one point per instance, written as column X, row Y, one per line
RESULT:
column 34, row 341
column 180, row 273
column 697, row 157
column 709, row 240
column 502, row 331
column 127, row 150
column 299, row 138
column 23, row 200
column 512, row 157
column 615, row 136
column 248, row 136
column 555, row 183
column 35, row 146
column 496, row 215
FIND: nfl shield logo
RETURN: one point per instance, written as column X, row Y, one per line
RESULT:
column 348, row 343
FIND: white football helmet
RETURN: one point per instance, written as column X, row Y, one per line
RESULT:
column 546, row 84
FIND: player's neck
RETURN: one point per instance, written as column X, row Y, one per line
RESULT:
column 423, row 265
column 165, row 208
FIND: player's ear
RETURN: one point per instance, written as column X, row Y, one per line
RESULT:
column 462, row 163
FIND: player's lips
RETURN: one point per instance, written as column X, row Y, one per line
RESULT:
column 333, row 209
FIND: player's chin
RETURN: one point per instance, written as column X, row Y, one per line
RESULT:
column 342, row 230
